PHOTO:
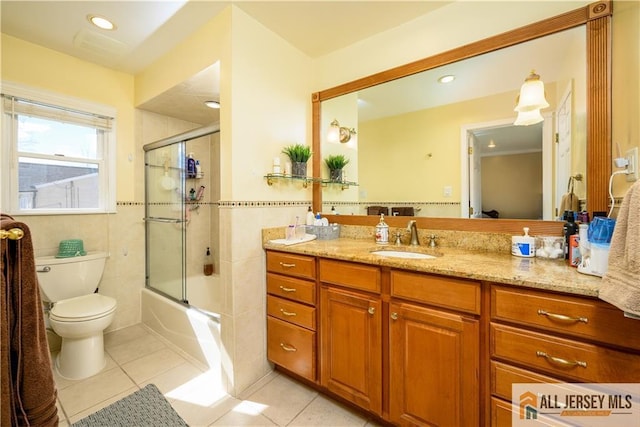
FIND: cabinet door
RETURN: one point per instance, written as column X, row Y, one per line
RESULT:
column 434, row 359
column 351, row 347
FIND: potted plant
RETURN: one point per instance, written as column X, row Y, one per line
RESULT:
column 299, row 155
column 335, row 163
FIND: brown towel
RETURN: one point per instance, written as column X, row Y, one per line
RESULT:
column 621, row 283
column 569, row 202
column 28, row 389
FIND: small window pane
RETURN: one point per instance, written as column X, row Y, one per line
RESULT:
column 49, row 137
column 53, row 184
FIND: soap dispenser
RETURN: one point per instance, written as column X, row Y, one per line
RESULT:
column 382, row 232
column 310, row 218
column 523, row 246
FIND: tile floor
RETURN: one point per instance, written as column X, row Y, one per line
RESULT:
column 136, row 357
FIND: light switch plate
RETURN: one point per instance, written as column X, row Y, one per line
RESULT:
column 632, row 158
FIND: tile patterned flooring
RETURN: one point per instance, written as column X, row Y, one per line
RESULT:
column 136, row 357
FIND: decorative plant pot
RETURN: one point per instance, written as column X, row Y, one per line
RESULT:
column 299, row 168
column 335, row 174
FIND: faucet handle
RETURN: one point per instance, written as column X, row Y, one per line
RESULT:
column 398, row 237
column 432, row 240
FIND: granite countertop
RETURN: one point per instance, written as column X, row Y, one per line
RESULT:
column 501, row 267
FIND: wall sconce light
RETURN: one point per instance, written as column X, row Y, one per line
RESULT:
column 339, row 133
column 531, row 94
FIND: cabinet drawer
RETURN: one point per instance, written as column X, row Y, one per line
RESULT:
column 290, row 288
column 289, row 311
column 349, row 274
column 563, row 357
column 501, row 413
column 504, row 376
column 580, row 317
column 291, row 264
column 448, row 292
column 292, row 347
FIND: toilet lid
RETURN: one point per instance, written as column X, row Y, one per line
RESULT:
column 83, row 308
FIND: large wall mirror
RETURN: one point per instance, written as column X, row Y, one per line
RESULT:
column 410, row 154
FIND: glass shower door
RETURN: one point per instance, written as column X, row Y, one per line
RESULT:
column 165, row 220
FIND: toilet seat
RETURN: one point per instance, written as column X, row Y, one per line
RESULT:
column 83, row 308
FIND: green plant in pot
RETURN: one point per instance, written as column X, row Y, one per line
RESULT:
column 335, row 163
column 299, row 155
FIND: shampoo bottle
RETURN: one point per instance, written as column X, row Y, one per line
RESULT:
column 569, row 229
column 208, row 264
column 310, row 218
column 191, row 166
column 523, row 246
column 382, row 232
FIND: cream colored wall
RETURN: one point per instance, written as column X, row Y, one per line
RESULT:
column 450, row 26
column 430, row 156
column 626, row 87
column 37, row 67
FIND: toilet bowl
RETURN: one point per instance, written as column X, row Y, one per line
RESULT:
column 78, row 314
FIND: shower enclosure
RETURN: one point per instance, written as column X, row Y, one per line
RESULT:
column 180, row 218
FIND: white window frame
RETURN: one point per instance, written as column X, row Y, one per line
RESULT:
column 9, row 153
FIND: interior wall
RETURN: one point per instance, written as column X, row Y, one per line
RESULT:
column 512, row 185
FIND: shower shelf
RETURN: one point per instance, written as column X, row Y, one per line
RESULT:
column 272, row 177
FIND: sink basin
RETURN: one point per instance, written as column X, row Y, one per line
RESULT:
column 402, row 254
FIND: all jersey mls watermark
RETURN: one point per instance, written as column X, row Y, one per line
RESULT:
column 576, row 404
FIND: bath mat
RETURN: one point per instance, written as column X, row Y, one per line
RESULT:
column 145, row 407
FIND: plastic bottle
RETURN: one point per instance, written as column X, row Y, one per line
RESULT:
column 310, row 218
column 208, row 263
column 523, row 246
column 191, row 166
column 318, row 219
column 569, row 229
column 382, row 232
column 198, row 169
column 200, row 192
column 333, row 210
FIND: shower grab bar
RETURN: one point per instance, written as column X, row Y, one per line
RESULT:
column 160, row 219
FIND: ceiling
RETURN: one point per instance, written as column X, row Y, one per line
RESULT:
column 148, row 29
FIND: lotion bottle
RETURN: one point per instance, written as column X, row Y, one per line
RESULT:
column 382, row 232
column 310, row 218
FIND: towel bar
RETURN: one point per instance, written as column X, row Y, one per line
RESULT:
column 12, row 234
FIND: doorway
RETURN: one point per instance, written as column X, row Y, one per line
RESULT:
column 517, row 164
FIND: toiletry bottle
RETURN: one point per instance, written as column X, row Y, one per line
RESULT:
column 382, row 232
column 310, row 218
column 191, row 166
column 192, row 194
column 569, row 229
column 318, row 220
column 276, row 165
column 200, row 192
column 523, row 246
column 208, row 263
column 333, row 210
column 198, row 169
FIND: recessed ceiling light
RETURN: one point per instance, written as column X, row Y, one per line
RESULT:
column 212, row 104
column 491, row 144
column 447, row 79
column 101, row 22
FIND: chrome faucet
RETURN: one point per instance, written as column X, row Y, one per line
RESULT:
column 414, row 233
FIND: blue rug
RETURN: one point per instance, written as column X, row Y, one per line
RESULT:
column 145, row 407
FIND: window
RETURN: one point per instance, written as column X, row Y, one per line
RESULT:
column 58, row 154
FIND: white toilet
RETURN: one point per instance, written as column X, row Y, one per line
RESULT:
column 79, row 314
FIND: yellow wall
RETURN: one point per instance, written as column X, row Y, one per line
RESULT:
column 32, row 65
column 626, row 87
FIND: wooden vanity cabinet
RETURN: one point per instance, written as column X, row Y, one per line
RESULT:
column 433, row 352
column 351, row 332
column 291, row 313
column 543, row 337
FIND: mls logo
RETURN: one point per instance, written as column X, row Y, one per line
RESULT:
column 528, row 406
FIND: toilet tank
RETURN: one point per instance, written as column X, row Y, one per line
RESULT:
column 63, row 278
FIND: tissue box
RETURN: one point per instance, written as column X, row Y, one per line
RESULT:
column 324, row 232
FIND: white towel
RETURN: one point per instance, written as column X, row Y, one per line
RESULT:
column 621, row 283
column 306, row 238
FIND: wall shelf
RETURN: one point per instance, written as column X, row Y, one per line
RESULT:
column 273, row 177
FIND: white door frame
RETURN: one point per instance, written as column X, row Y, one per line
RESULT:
column 547, row 162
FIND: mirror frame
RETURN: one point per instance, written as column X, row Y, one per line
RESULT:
column 597, row 18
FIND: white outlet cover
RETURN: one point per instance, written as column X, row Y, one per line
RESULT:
column 632, row 157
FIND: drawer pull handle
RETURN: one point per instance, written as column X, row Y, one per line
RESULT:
column 562, row 317
column 372, row 310
column 286, row 347
column 288, row 289
column 559, row 361
column 394, row 316
column 285, row 265
column 287, row 313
